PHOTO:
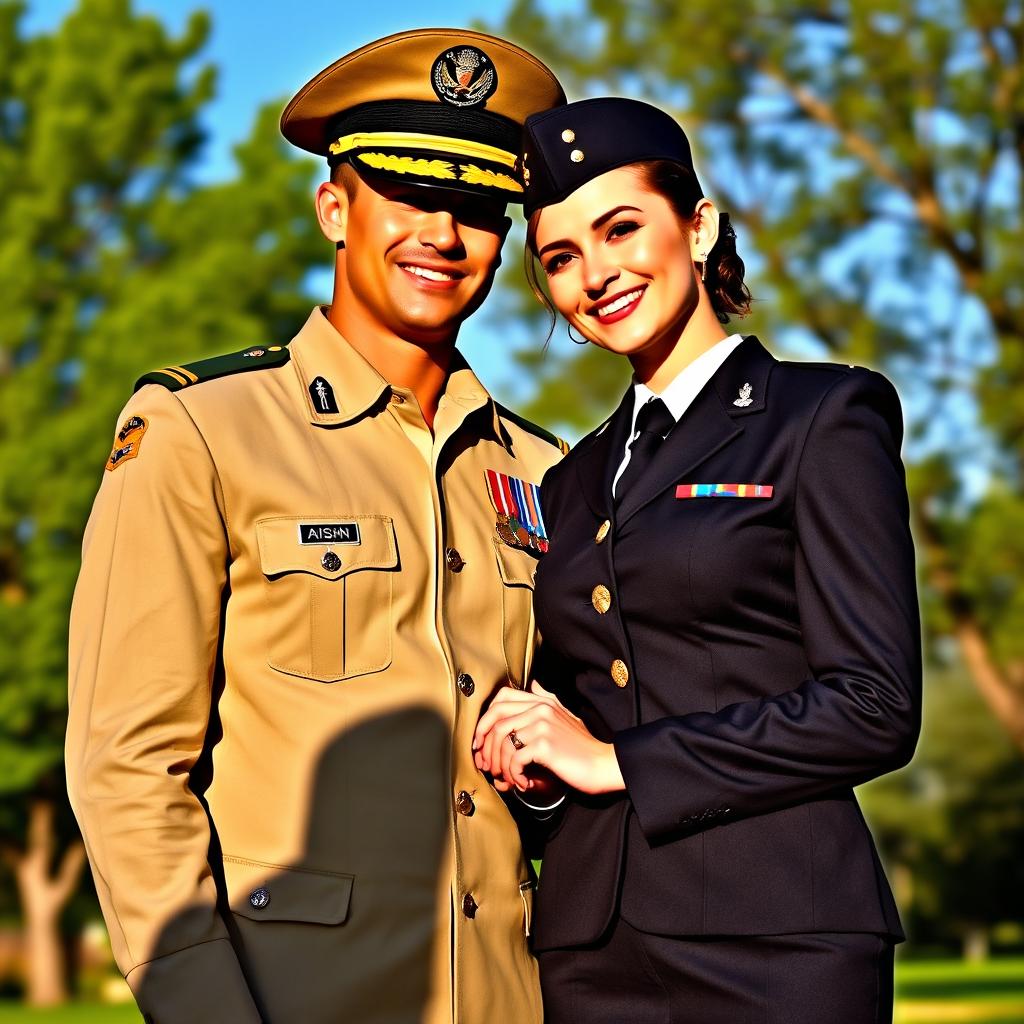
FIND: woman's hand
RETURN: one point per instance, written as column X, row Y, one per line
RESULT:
column 550, row 735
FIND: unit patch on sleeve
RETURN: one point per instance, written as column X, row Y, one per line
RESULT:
column 128, row 442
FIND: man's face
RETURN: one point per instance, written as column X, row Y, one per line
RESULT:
column 419, row 260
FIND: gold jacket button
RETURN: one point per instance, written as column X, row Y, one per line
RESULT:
column 454, row 559
column 465, row 684
column 464, row 804
column 469, row 905
column 602, row 531
column 331, row 562
column 620, row 674
column 601, row 598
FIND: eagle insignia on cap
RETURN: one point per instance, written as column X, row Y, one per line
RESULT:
column 464, row 77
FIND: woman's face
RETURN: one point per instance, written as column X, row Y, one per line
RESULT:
column 619, row 265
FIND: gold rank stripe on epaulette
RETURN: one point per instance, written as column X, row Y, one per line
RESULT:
column 532, row 428
column 256, row 357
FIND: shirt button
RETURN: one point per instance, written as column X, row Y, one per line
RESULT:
column 601, row 599
column 259, row 898
column 602, row 531
column 464, row 804
column 454, row 559
column 331, row 562
column 620, row 674
column 469, row 905
column 465, row 684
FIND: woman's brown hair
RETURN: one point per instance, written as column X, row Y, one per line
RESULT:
column 723, row 274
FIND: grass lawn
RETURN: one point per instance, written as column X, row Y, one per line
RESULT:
column 928, row 992
column 80, row 1013
column 952, row 992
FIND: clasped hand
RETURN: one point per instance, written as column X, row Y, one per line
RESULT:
column 550, row 735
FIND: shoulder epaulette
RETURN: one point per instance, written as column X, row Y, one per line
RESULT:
column 256, row 357
column 532, row 428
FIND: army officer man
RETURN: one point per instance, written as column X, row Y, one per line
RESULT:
column 308, row 566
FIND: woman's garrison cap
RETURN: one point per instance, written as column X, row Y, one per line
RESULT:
column 566, row 147
column 434, row 106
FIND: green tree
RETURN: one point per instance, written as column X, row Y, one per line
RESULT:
column 113, row 261
column 872, row 157
column 951, row 824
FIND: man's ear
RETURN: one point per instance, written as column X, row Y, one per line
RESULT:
column 332, row 208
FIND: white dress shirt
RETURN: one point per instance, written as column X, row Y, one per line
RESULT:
column 681, row 391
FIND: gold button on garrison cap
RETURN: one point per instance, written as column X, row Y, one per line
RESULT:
column 436, row 106
column 620, row 674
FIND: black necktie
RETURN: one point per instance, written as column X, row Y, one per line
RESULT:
column 653, row 422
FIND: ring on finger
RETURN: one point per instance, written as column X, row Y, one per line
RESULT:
column 515, row 740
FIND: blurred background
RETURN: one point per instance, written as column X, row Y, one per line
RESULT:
column 871, row 156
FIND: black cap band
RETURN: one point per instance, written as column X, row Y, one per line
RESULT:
column 428, row 119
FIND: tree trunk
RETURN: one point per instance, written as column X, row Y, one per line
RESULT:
column 43, row 895
column 975, row 944
column 1004, row 699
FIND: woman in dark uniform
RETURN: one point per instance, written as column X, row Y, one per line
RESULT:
column 731, row 632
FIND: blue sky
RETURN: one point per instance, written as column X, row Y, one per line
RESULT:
column 266, row 52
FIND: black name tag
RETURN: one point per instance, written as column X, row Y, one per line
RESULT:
column 329, row 533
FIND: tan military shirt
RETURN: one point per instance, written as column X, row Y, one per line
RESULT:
column 291, row 610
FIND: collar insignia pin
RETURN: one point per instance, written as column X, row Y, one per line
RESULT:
column 323, row 396
column 744, row 400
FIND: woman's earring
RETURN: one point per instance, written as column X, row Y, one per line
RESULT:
column 703, row 266
column 580, row 341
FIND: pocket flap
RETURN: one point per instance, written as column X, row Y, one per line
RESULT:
column 269, row 892
column 299, row 544
column 517, row 566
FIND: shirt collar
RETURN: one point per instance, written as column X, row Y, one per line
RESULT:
column 320, row 350
column 687, row 384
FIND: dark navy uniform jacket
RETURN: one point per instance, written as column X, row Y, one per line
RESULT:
column 772, row 648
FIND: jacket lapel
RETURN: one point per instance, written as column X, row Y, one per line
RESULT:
column 597, row 462
column 708, row 425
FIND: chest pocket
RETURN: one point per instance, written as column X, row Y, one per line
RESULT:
column 329, row 607
column 517, row 569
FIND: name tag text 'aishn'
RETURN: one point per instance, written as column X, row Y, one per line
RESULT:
column 329, row 533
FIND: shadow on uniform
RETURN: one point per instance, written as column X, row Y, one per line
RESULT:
column 347, row 931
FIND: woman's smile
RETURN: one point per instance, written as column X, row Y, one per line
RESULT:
column 617, row 307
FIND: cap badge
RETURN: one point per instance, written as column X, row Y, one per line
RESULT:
column 464, row 77
column 744, row 400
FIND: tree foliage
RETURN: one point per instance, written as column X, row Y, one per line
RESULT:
column 114, row 260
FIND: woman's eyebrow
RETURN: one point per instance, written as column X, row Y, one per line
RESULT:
column 603, row 219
